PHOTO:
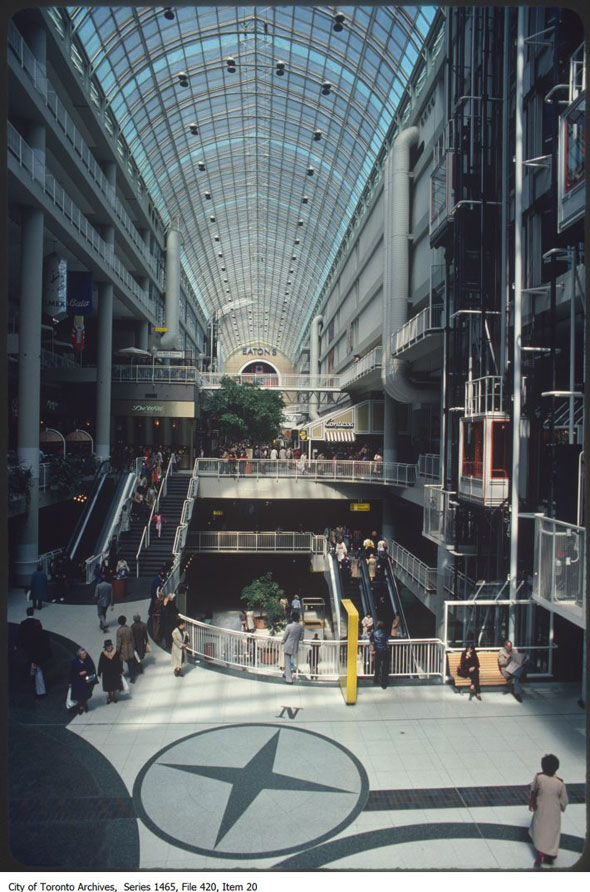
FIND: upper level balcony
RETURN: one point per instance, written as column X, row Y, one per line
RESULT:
column 305, row 383
column 559, row 575
column 363, row 372
column 483, row 396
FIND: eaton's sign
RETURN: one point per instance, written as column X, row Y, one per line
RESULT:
column 259, row 351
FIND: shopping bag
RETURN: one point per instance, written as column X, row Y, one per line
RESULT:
column 125, row 685
column 69, row 702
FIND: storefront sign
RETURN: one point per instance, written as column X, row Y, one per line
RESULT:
column 154, row 408
column 170, row 354
column 259, row 351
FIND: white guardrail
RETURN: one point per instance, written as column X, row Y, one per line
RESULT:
column 174, row 577
column 145, row 536
column 265, row 541
column 263, row 654
column 388, row 473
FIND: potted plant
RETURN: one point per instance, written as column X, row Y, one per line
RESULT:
column 263, row 597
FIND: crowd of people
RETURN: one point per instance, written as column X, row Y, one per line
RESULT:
column 153, row 468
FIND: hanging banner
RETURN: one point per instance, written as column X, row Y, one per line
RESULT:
column 79, row 293
column 55, row 287
column 78, row 334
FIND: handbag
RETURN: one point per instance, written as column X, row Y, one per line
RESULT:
column 125, row 685
column 69, row 702
column 90, row 679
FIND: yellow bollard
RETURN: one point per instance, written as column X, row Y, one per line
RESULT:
column 348, row 667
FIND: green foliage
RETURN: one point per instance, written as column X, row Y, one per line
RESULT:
column 263, row 596
column 19, row 483
column 67, row 474
column 244, row 412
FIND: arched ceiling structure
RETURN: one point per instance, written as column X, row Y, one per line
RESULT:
column 263, row 170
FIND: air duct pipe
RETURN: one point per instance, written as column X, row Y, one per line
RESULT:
column 396, row 238
column 314, row 362
column 171, row 339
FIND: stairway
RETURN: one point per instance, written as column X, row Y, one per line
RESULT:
column 350, row 589
column 159, row 551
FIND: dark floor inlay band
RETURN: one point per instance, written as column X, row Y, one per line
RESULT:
column 460, row 797
column 91, row 808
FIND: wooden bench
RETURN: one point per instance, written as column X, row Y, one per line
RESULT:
column 489, row 671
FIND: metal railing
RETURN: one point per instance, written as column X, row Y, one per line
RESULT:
column 366, row 364
column 175, row 575
column 483, row 395
column 416, row 569
column 212, row 380
column 173, row 374
column 438, row 522
column 46, row 560
column 263, row 654
column 559, row 561
column 415, row 329
column 145, row 536
column 35, row 166
column 428, row 465
column 246, row 541
column 35, row 72
column 320, row 471
column 51, row 360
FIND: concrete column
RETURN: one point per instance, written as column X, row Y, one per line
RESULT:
column 29, row 384
column 388, row 521
column 171, row 339
column 104, row 370
column 130, row 433
column 389, row 439
column 166, row 431
column 147, row 427
column 142, row 335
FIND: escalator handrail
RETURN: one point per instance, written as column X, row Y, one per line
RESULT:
column 396, row 601
column 366, row 584
column 99, row 478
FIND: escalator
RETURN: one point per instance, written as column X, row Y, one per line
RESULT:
column 91, row 525
column 395, row 600
column 367, row 592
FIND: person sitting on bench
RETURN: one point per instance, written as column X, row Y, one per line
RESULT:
column 512, row 666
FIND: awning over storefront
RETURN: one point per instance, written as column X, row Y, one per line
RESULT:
column 345, row 425
column 336, row 436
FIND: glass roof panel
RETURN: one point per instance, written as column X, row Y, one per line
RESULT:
column 255, row 136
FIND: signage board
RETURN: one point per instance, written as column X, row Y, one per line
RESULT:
column 79, row 291
column 160, row 328
column 360, row 506
column 155, row 408
column 218, row 514
column 55, row 287
column 170, row 354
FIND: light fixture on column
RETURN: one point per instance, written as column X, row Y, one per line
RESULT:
column 280, row 68
column 310, row 171
column 317, row 135
column 193, row 128
column 326, row 87
column 231, row 64
column 182, row 79
column 168, row 13
column 201, row 165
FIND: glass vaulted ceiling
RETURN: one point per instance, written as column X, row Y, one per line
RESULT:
column 262, row 203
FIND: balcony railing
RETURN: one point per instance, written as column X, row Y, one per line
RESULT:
column 428, row 465
column 388, row 473
column 439, row 515
column 139, row 374
column 244, row 541
column 366, row 364
column 33, row 164
column 483, row 396
column 263, row 654
column 212, row 380
column 415, row 329
column 423, row 575
column 559, row 562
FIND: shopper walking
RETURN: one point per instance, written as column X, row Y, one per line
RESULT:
column 379, row 642
column 110, row 669
column 39, row 587
column 103, row 597
column 548, row 800
column 35, row 642
column 82, row 679
column 291, row 638
column 178, row 649
column 140, row 640
column 126, row 648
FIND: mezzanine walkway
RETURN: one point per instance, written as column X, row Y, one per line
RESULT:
column 320, row 471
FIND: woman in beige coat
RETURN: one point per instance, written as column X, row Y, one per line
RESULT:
column 550, row 800
column 178, row 649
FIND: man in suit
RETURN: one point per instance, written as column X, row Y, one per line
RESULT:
column 33, row 640
column 103, row 596
column 291, row 638
column 140, row 639
column 39, row 587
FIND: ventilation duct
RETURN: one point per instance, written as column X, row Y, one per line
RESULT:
column 314, row 362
